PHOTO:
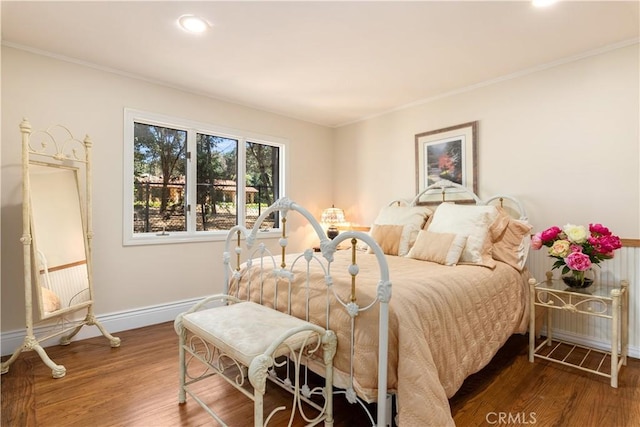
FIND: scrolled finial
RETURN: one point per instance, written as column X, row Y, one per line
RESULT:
column 25, row 126
column 87, row 141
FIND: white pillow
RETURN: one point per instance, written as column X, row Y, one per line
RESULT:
column 412, row 218
column 472, row 221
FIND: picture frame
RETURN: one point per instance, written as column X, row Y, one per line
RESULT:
column 449, row 153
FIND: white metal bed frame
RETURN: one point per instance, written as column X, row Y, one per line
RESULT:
column 236, row 248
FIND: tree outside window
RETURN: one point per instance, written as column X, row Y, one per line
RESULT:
column 159, row 178
column 262, row 177
column 187, row 182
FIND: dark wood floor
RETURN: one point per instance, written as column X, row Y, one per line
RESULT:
column 136, row 385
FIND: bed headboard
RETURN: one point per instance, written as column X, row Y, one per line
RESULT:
column 445, row 191
column 451, row 192
column 507, row 226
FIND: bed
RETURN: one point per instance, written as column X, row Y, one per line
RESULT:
column 420, row 302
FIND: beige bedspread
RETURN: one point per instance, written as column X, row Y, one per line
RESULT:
column 445, row 323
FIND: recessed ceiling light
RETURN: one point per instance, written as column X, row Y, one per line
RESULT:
column 193, row 24
column 543, row 3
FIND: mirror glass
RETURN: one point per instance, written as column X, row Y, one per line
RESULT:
column 59, row 241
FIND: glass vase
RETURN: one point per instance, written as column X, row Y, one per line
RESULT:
column 579, row 279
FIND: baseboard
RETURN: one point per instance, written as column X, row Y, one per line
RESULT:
column 152, row 315
column 589, row 342
column 113, row 322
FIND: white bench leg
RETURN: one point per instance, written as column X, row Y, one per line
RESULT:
column 182, row 395
column 258, row 372
column 329, row 344
column 258, row 408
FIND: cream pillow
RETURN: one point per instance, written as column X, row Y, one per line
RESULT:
column 472, row 221
column 411, row 218
column 443, row 248
column 50, row 301
column 387, row 237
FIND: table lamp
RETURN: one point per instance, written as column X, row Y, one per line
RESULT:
column 332, row 216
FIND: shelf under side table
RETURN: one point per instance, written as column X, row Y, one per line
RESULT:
column 577, row 356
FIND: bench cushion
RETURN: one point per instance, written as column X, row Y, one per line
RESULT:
column 246, row 329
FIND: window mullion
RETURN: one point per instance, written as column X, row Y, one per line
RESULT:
column 241, row 182
column 192, row 181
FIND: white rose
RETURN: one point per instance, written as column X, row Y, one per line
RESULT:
column 575, row 233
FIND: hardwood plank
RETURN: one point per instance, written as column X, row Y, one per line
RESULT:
column 136, row 385
column 18, row 407
column 552, row 394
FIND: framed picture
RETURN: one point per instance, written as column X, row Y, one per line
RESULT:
column 448, row 153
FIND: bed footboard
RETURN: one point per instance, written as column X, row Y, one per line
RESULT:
column 308, row 285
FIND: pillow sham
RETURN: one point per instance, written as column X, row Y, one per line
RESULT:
column 512, row 245
column 387, row 237
column 472, row 221
column 50, row 301
column 411, row 218
column 443, row 248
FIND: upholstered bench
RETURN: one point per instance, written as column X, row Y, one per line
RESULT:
column 242, row 339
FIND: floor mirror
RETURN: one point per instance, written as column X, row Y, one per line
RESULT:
column 56, row 240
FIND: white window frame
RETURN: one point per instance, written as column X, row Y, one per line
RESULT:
column 131, row 116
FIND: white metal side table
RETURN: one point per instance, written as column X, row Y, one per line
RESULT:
column 609, row 302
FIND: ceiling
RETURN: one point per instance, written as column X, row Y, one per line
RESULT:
column 327, row 62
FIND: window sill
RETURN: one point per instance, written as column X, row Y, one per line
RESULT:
column 178, row 238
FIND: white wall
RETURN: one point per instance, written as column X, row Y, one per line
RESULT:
column 90, row 101
column 565, row 140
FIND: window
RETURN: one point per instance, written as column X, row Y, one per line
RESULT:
column 187, row 181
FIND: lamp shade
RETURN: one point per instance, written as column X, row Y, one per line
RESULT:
column 333, row 216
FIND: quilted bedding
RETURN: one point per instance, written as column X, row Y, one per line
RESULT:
column 445, row 323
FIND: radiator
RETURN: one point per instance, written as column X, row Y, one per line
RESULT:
column 589, row 330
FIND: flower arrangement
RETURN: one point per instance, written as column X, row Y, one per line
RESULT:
column 577, row 249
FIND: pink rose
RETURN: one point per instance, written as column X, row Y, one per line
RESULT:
column 578, row 261
column 608, row 243
column 575, row 248
column 536, row 242
column 550, row 234
column 599, row 229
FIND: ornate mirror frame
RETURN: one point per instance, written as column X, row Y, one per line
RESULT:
column 62, row 279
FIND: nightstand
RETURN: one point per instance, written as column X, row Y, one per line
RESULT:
column 608, row 302
column 338, row 248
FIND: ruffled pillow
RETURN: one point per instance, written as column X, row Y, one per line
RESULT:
column 50, row 301
column 512, row 245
